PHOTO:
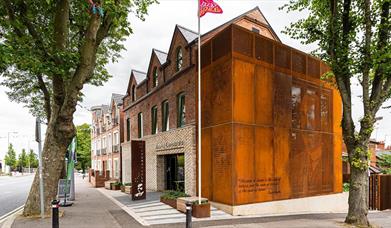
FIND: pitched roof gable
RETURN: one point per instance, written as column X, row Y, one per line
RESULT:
column 161, row 56
column 117, row 98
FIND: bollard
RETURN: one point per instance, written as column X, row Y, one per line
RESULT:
column 55, row 206
column 188, row 214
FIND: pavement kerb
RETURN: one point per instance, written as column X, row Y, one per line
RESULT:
column 10, row 217
column 125, row 208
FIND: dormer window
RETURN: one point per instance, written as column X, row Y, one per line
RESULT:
column 155, row 78
column 179, row 59
column 133, row 93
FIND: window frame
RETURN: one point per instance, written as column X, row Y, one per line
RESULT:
column 133, row 93
column 128, row 129
column 181, row 110
column 179, row 59
column 155, row 79
column 140, row 124
column 165, row 116
column 154, row 126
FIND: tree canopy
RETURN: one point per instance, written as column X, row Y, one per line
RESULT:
column 10, row 158
column 32, row 159
column 83, row 149
column 44, row 46
column 354, row 39
column 22, row 160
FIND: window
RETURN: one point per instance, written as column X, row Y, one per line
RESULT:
column 165, row 116
column 155, row 79
column 140, row 124
column 109, row 167
column 128, row 129
column 181, row 110
column 116, row 168
column 179, row 59
column 116, row 138
column 255, row 30
column 104, row 143
column 154, row 120
column 133, row 93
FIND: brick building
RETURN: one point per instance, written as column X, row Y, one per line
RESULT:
column 106, row 137
column 270, row 126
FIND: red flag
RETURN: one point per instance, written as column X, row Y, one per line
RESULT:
column 209, row 6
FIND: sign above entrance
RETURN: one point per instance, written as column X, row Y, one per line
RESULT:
column 138, row 170
column 170, row 145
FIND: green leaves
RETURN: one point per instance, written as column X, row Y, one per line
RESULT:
column 28, row 48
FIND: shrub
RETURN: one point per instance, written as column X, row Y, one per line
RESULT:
column 173, row 195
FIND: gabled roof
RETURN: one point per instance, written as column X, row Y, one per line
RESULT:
column 139, row 76
column 254, row 13
column 117, row 98
column 189, row 34
column 161, row 56
column 100, row 109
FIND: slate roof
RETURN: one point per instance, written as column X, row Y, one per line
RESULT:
column 117, row 98
column 162, row 56
column 139, row 76
column 189, row 35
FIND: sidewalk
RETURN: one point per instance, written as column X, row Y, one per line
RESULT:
column 91, row 209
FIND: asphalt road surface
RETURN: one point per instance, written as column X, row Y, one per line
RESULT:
column 13, row 192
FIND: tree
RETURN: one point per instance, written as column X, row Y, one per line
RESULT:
column 22, row 160
column 49, row 51
column 83, row 148
column 354, row 39
column 10, row 158
column 32, row 159
column 384, row 162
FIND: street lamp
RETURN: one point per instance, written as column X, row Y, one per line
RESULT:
column 10, row 132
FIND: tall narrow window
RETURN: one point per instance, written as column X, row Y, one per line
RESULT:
column 155, row 77
column 154, row 120
column 140, row 124
column 133, row 93
column 165, row 116
column 179, row 59
column 181, row 110
column 128, row 129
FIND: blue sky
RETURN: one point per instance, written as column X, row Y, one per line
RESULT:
column 156, row 32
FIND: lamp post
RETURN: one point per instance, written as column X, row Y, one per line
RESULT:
column 10, row 132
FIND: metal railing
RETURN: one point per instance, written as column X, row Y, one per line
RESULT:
column 116, row 148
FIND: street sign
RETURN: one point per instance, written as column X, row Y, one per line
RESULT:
column 64, row 188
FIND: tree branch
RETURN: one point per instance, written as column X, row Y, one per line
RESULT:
column 46, row 96
column 367, row 55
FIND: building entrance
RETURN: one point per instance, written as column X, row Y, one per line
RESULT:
column 175, row 172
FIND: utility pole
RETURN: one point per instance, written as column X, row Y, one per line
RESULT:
column 39, row 140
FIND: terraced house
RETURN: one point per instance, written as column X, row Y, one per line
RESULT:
column 106, row 137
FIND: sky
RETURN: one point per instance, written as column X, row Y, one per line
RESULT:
column 156, row 32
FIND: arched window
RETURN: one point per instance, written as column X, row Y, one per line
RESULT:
column 155, row 79
column 179, row 59
column 133, row 93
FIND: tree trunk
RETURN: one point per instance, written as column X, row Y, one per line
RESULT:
column 58, row 136
column 358, row 197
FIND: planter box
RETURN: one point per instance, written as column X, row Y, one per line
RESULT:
column 108, row 184
column 115, row 187
column 128, row 190
column 122, row 188
column 200, row 210
column 181, row 202
column 169, row 202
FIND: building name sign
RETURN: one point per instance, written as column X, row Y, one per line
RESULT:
column 170, row 145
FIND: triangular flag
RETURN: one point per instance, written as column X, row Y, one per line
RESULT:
column 209, row 6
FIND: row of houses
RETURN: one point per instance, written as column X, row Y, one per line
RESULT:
column 269, row 124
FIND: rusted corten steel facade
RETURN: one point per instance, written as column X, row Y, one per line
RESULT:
column 270, row 126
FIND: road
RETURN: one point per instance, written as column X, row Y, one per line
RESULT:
column 13, row 192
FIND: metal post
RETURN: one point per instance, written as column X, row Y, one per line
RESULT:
column 39, row 140
column 55, row 219
column 199, row 102
column 188, row 214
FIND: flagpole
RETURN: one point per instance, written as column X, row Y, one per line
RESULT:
column 199, row 102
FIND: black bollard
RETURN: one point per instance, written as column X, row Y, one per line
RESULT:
column 55, row 206
column 188, row 214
